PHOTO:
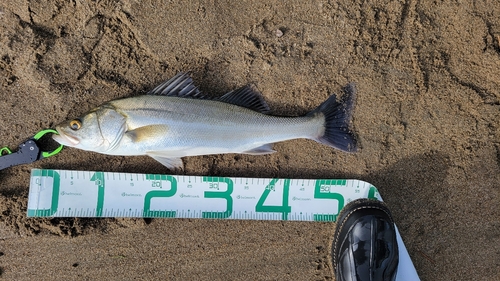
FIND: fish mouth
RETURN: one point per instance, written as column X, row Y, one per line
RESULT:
column 65, row 139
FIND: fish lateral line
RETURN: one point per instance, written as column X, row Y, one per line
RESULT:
column 175, row 120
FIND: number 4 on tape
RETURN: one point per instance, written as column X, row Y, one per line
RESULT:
column 62, row 193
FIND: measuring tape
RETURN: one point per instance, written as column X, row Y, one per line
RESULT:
column 62, row 193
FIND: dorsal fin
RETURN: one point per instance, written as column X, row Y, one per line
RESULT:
column 247, row 97
column 181, row 85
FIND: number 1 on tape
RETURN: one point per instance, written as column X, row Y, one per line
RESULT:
column 62, row 193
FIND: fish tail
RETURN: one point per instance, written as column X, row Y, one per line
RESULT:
column 337, row 131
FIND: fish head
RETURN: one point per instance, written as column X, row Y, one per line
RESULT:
column 99, row 130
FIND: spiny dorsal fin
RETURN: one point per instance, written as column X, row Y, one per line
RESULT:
column 246, row 97
column 181, row 85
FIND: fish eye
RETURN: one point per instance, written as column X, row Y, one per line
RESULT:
column 75, row 124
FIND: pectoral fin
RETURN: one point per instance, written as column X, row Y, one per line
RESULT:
column 261, row 150
column 147, row 133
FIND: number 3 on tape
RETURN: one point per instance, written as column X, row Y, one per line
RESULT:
column 62, row 193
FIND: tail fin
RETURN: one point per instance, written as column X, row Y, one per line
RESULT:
column 337, row 120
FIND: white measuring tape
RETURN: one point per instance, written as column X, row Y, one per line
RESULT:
column 62, row 193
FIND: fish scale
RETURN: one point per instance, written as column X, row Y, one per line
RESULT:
column 174, row 120
column 215, row 121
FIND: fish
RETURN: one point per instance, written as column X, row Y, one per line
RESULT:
column 175, row 120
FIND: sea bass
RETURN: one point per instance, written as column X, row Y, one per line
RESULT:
column 175, row 120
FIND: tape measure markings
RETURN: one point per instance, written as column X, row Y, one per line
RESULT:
column 62, row 193
column 105, row 194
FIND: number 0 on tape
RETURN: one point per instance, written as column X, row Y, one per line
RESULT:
column 61, row 193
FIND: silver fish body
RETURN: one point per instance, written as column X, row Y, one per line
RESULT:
column 175, row 121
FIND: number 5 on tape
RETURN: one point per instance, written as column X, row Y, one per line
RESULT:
column 61, row 193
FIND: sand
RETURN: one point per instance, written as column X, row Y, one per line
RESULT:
column 427, row 119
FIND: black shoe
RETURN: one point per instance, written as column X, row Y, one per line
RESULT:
column 364, row 245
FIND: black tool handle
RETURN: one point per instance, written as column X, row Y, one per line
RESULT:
column 28, row 152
